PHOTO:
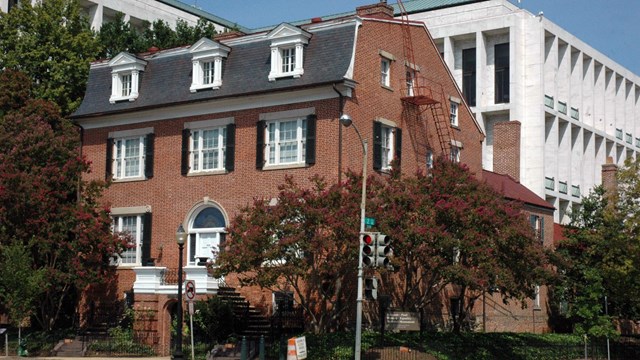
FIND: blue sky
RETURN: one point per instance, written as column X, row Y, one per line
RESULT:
column 609, row 26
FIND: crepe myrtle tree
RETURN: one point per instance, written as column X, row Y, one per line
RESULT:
column 304, row 242
column 450, row 229
column 46, row 210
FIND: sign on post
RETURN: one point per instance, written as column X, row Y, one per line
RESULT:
column 301, row 348
column 190, row 290
column 402, row 321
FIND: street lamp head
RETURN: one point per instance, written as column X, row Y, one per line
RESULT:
column 181, row 235
column 345, row 120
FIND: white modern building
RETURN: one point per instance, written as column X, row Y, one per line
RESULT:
column 137, row 11
column 577, row 107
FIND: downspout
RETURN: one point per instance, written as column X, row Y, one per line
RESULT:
column 341, row 97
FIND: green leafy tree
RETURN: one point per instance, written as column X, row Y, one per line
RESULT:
column 600, row 257
column 53, row 45
column 47, row 210
column 451, row 230
column 118, row 35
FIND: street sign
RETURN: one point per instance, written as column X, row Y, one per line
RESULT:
column 369, row 221
column 190, row 290
column 191, row 308
column 301, row 348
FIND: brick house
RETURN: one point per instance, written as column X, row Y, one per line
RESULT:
column 189, row 135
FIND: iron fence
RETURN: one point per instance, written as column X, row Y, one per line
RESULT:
column 123, row 344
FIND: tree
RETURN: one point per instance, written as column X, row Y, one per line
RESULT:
column 451, row 230
column 46, row 210
column 53, row 45
column 305, row 243
column 600, row 257
column 448, row 229
column 118, row 35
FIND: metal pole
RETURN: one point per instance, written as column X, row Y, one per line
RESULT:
column 606, row 312
column 360, row 270
column 178, row 355
column 193, row 351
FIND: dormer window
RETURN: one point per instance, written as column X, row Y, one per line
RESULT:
column 287, row 47
column 125, row 77
column 207, row 64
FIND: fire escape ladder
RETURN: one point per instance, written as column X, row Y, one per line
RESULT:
column 416, row 126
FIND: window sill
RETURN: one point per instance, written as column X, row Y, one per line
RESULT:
column 114, row 100
column 285, row 166
column 537, row 308
column 132, row 179
column 127, row 266
column 206, row 173
column 386, row 87
column 196, row 88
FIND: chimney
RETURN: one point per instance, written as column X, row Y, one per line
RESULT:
column 609, row 180
column 506, row 148
column 379, row 10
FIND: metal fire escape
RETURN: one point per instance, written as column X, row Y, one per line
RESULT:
column 420, row 98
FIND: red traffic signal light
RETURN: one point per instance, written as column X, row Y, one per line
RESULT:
column 367, row 244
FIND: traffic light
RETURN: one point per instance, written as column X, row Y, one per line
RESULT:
column 383, row 250
column 371, row 288
column 368, row 241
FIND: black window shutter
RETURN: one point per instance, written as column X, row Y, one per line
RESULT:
column 230, row 150
column 186, row 135
column 310, row 151
column 260, row 127
column 377, row 146
column 223, row 239
column 398, row 147
column 148, row 156
column 108, row 174
column 542, row 229
column 146, row 240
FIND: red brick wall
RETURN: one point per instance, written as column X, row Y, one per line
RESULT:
column 171, row 196
column 506, row 148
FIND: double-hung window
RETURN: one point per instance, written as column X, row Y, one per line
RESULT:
column 385, row 75
column 288, row 58
column 208, row 146
column 208, row 149
column 387, row 145
column 126, row 85
column 130, row 154
column 134, row 223
column 537, row 225
column 455, row 154
column 207, row 72
column 286, row 138
column 286, row 141
column 129, row 157
column 429, row 159
column 453, row 114
column 132, row 227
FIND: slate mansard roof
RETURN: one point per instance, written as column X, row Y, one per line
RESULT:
column 167, row 75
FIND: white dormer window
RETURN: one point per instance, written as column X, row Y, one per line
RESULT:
column 125, row 77
column 287, row 47
column 207, row 64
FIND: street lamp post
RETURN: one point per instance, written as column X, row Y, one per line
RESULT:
column 181, row 237
column 346, row 121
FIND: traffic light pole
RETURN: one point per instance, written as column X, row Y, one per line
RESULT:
column 358, row 345
column 345, row 120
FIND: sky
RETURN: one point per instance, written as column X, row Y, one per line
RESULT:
column 609, row 26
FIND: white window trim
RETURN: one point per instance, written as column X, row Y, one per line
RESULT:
column 118, row 173
column 129, row 134
column 300, row 140
column 287, row 36
column 453, row 113
column 193, row 213
column 429, row 159
column 390, row 150
column 455, row 154
column 222, row 148
column 207, row 51
column 125, row 64
column 385, row 72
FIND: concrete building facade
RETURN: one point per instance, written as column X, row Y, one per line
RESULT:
column 576, row 106
column 138, row 11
